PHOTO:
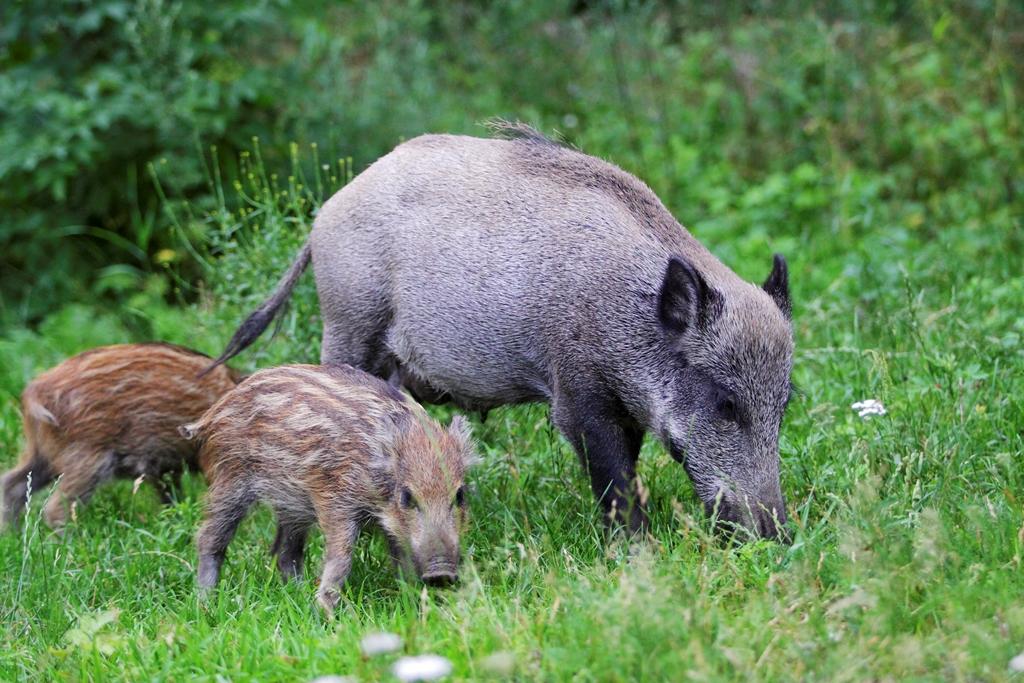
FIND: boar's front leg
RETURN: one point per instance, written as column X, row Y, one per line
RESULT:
column 608, row 447
column 401, row 558
column 339, row 538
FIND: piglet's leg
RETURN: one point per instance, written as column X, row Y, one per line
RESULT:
column 83, row 472
column 167, row 486
column 339, row 538
column 15, row 485
column 226, row 506
column 289, row 546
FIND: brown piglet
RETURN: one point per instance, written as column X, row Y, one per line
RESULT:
column 337, row 447
column 110, row 412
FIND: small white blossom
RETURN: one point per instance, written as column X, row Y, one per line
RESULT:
column 869, row 407
column 421, row 668
column 380, row 644
column 1017, row 663
column 499, row 663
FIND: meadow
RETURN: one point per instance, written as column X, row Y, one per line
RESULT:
column 881, row 154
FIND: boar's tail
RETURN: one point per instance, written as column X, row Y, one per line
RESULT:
column 259, row 319
column 40, row 412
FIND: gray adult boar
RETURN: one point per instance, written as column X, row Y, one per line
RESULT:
column 496, row 271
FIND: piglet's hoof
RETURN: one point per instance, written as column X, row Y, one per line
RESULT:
column 328, row 600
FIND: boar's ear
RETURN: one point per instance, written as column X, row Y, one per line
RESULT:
column 777, row 285
column 685, row 299
column 462, row 431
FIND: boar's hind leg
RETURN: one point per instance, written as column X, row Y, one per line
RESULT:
column 226, row 506
column 339, row 538
column 34, row 474
column 609, row 450
column 290, row 547
column 358, row 339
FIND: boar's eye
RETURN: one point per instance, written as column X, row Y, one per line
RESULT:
column 406, row 499
column 727, row 408
column 460, row 496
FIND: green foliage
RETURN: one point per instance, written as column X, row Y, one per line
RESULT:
column 876, row 144
column 91, row 93
column 701, row 102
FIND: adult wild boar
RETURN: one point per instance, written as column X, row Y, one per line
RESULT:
column 497, row 271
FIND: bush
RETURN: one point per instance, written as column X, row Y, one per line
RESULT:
column 91, row 93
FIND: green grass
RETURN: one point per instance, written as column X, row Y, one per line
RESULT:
column 884, row 165
column 909, row 527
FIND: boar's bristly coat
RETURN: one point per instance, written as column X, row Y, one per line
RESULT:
column 495, row 271
column 336, row 447
column 110, row 412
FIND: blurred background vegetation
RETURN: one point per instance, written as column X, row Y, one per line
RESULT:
column 778, row 121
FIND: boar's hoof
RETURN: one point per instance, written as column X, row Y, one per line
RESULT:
column 204, row 595
column 209, row 571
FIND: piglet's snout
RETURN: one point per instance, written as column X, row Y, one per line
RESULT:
column 439, row 560
column 441, row 571
column 441, row 578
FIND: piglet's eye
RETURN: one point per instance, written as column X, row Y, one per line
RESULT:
column 460, row 496
column 406, row 499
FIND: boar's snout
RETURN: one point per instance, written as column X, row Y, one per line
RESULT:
column 743, row 516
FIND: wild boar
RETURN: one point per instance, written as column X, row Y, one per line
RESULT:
column 110, row 412
column 335, row 447
column 498, row 271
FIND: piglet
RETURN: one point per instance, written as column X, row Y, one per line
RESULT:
column 337, row 447
column 110, row 412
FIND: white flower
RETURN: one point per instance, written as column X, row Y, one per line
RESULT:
column 1017, row 663
column 421, row 668
column 380, row 644
column 869, row 407
column 499, row 663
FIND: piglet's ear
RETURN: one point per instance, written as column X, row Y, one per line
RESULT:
column 686, row 300
column 462, row 431
column 777, row 285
